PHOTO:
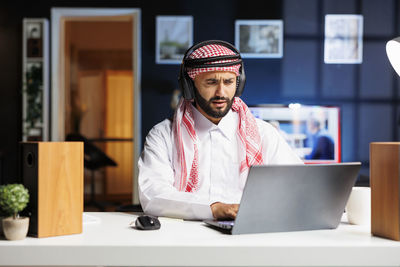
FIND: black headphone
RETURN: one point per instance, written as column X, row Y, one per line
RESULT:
column 186, row 84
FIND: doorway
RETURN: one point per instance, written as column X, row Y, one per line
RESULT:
column 96, row 91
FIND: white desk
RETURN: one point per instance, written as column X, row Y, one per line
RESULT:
column 183, row 243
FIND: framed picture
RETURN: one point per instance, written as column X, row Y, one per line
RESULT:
column 343, row 39
column 34, row 30
column 259, row 38
column 174, row 35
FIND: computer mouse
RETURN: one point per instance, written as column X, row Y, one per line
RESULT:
column 147, row 222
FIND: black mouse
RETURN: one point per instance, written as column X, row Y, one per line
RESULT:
column 147, row 222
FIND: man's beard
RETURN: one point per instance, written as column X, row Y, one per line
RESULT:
column 206, row 105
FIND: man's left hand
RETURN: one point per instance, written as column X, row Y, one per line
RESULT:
column 222, row 211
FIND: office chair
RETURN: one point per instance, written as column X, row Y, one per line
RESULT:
column 94, row 159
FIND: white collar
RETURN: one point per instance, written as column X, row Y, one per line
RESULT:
column 227, row 125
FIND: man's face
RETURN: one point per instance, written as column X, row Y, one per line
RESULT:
column 214, row 94
column 312, row 125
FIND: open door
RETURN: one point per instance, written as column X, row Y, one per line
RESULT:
column 96, row 89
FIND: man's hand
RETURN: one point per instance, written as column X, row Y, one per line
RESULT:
column 222, row 211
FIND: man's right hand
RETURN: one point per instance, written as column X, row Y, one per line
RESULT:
column 222, row 211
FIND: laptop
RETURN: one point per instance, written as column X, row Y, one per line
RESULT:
column 280, row 198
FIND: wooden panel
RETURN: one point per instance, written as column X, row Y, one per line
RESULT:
column 60, row 188
column 119, row 124
column 384, row 180
column 90, row 103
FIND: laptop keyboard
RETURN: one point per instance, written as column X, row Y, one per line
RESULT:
column 231, row 223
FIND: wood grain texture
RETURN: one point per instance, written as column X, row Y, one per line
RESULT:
column 384, row 180
column 118, row 124
column 60, row 188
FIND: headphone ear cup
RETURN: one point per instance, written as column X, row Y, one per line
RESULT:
column 186, row 84
column 189, row 90
column 241, row 82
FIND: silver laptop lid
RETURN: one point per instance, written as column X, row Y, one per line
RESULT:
column 280, row 198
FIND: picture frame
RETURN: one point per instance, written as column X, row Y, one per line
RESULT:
column 259, row 38
column 34, row 30
column 343, row 39
column 174, row 35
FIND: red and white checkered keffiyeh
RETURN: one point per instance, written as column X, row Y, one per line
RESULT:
column 184, row 121
column 213, row 50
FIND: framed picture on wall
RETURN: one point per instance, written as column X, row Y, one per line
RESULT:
column 343, row 39
column 259, row 38
column 174, row 35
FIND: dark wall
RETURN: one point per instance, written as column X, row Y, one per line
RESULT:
column 368, row 93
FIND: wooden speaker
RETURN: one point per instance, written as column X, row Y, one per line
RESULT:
column 53, row 174
column 385, row 195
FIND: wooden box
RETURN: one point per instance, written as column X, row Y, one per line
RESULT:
column 385, row 197
column 53, row 174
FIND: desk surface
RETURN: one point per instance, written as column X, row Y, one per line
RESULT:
column 111, row 242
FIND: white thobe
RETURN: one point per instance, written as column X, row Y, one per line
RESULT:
column 219, row 162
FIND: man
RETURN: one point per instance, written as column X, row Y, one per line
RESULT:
column 321, row 142
column 196, row 166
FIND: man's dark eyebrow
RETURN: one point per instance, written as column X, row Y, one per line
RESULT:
column 215, row 79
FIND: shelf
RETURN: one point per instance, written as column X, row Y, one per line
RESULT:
column 35, row 74
column 34, row 59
